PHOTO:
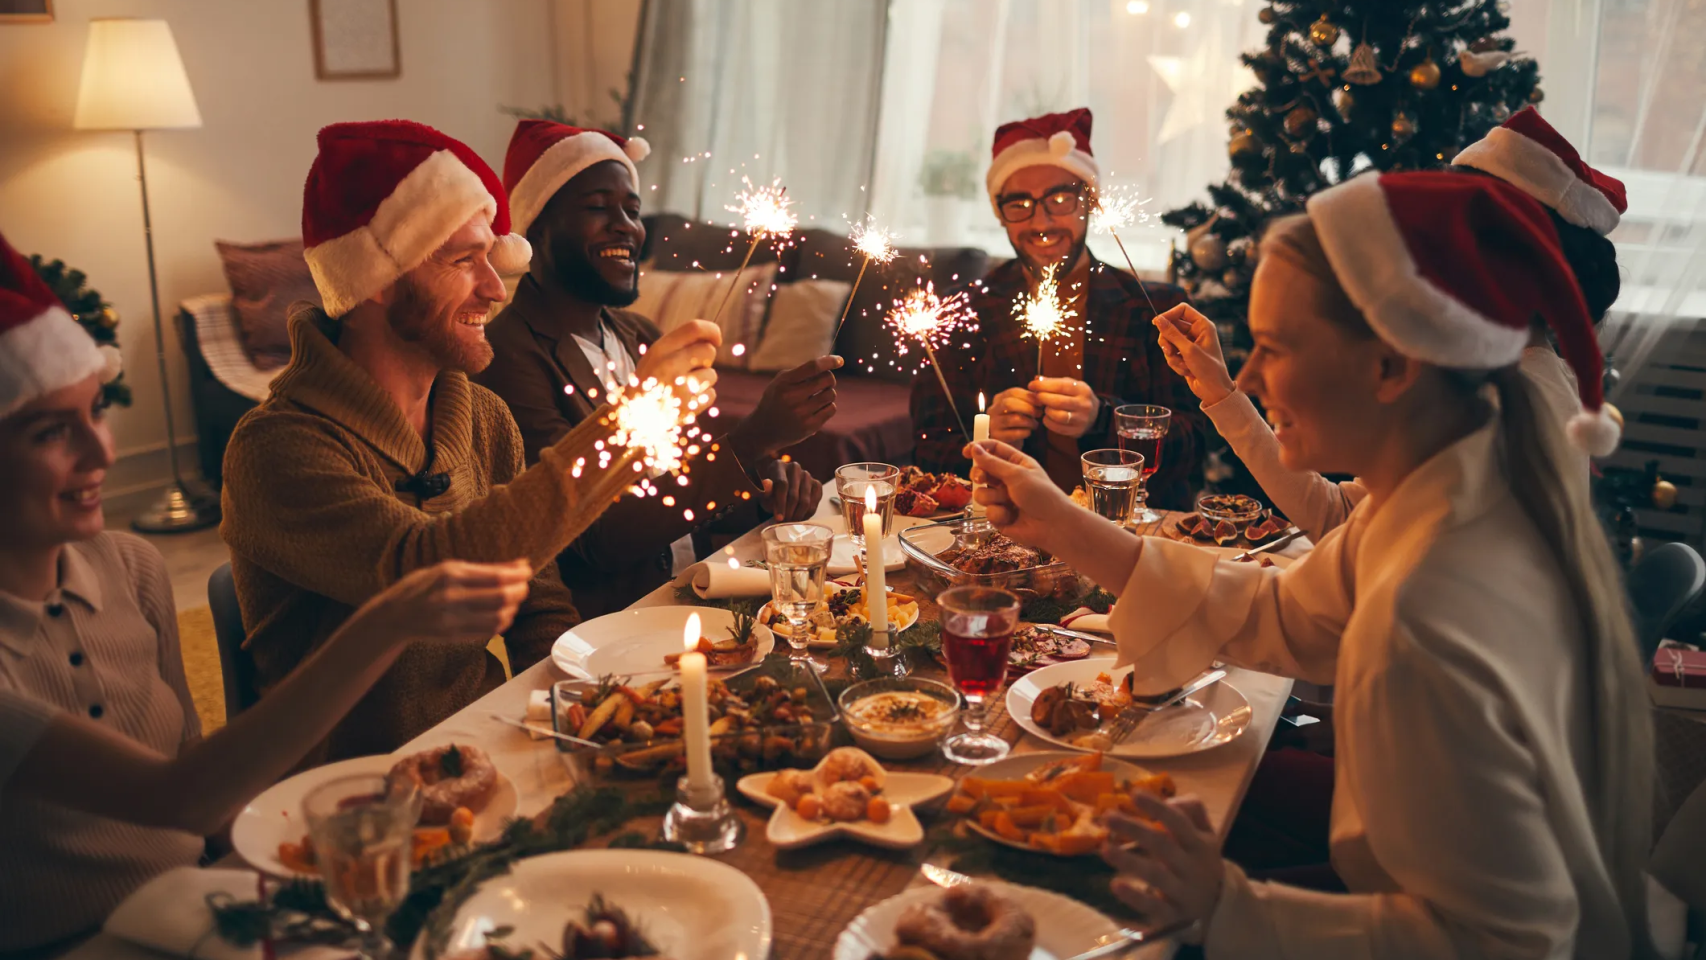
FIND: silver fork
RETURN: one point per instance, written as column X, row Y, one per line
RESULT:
column 1141, row 707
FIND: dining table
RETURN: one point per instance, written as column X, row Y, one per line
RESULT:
column 815, row 892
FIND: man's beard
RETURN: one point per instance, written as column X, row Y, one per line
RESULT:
column 1070, row 262
column 580, row 277
column 417, row 320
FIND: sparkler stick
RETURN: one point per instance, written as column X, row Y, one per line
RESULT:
column 1114, row 209
column 876, row 244
column 766, row 214
column 931, row 353
column 930, row 320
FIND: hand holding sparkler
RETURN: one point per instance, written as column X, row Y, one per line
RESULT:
column 931, row 320
column 877, row 246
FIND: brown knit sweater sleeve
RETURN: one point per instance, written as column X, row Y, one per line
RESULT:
column 329, row 528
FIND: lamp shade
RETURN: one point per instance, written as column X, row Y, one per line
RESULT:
column 133, row 79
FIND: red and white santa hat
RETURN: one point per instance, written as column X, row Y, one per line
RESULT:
column 1053, row 140
column 1451, row 269
column 544, row 155
column 42, row 348
column 382, row 196
column 1528, row 154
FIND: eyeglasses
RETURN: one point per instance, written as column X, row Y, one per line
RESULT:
column 1059, row 203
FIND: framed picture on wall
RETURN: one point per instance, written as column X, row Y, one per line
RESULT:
column 26, row 11
column 354, row 39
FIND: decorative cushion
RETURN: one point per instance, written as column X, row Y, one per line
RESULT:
column 802, row 324
column 671, row 298
column 265, row 279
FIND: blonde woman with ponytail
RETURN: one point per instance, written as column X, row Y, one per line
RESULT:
column 1493, row 761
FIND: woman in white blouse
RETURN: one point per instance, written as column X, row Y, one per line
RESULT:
column 1493, row 765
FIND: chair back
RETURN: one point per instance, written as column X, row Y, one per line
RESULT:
column 235, row 666
column 1662, row 584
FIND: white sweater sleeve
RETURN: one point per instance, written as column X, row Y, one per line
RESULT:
column 1307, row 499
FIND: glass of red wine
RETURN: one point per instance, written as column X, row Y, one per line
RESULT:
column 1141, row 427
column 977, row 633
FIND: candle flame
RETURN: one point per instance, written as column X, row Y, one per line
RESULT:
column 691, row 633
column 980, row 401
column 1041, row 312
column 871, row 498
column 923, row 316
column 764, row 210
column 874, row 242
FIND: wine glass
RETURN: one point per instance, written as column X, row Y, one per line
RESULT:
column 1142, row 427
column 797, row 554
column 362, row 827
column 977, row 633
column 1112, row 477
column 851, row 482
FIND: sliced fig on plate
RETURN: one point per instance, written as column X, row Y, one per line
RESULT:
column 1226, row 533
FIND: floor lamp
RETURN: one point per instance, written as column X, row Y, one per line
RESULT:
column 133, row 79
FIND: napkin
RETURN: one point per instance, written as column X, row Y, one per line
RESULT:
column 538, row 712
column 714, row 579
column 170, row 913
column 1087, row 620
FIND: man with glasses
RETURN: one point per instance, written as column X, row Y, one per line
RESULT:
column 1042, row 183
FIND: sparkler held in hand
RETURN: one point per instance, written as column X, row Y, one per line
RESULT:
column 1115, row 208
column 764, row 212
column 929, row 319
column 1042, row 314
column 656, row 420
column 877, row 245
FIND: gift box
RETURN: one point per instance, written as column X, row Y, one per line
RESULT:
column 1678, row 678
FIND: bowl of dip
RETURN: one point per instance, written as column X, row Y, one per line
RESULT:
column 899, row 719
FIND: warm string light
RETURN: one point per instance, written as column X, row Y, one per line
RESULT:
column 1042, row 314
column 931, row 320
column 765, row 213
column 1115, row 209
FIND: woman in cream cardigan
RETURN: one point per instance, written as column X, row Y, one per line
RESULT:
column 1493, row 766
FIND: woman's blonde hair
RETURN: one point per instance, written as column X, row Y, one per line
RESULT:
column 1537, row 458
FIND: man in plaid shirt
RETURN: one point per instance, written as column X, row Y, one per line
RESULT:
column 1042, row 183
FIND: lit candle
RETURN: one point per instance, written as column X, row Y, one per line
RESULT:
column 979, row 433
column 876, row 587
column 696, row 728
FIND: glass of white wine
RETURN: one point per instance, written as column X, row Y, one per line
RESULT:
column 362, row 827
column 797, row 555
column 1112, row 477
column 852, row 480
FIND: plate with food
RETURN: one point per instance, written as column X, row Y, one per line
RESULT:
column 582, row 904
column 464, row 799
column 647, row 641
column 844, row 602
column 1227, row 520
column 899, row 718
column 925, row 494
column 848, row 794
column 1070, row 704
column 982, row 920
column 1052, row 802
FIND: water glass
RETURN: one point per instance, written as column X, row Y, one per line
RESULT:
column 1141, row 427
column 1112, row 478
column 851, row 483
column 977, row 635
column 797, row 555
column 362, row 828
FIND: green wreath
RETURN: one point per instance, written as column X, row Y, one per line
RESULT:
column 94, row 314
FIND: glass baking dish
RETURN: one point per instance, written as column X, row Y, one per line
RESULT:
column 748, row 746
column 925, row 543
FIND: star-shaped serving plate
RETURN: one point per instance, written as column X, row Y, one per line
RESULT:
column 903, row 791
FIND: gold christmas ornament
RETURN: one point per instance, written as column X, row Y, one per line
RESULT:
column 1344, row 102
column 1664, row 494
column 109, row 317
column 1536, row 95
column 1207, row 250
column 1300, row 122
column 1266, row 15
column 1425, row 75
column 1403, row 125
column 1365, row 67
column 1323, row 32
column 1615, row 414
column 1243, row 145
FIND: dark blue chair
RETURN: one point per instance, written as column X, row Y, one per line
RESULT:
column 1662, row 584
column 235, row 667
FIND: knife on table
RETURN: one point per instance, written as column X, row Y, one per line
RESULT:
column 1126, row 939
column 1074, row 634
column 1284, row 540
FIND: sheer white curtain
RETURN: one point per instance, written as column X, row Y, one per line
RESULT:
column 1159, row 75
column 727, row 89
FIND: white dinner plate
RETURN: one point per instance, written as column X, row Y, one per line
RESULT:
column 1209, row 718
column 836, row 586
column 1017, row 766
column 691, row 908
column 1065, row 927
column 788, row 830
column 275, row 816
column 634, row 642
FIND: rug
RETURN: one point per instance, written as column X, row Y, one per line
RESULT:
column 200, row 648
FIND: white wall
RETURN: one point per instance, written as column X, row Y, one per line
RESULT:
column 73, row 195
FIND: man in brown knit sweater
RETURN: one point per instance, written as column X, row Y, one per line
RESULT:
column 374, row 455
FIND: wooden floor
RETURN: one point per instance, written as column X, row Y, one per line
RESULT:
column 190, row 557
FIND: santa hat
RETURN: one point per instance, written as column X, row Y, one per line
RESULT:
column 1052, row 140
column 382, row 196
column 544, row 155
column 1450, row 270
column 1528, row 154
column 42, row 348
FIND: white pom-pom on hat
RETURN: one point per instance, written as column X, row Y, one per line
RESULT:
column 1061, row 143
column 113, row 362
column 637, row 149
column 1594, row 431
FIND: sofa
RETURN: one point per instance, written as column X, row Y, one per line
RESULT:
column 228, row 377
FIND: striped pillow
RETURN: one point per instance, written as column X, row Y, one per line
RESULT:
column 671, row 298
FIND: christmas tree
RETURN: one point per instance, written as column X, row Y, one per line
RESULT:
column 1344, row 85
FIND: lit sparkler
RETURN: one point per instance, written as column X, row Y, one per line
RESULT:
column 930, row 320
column 877, row 246
column 1116, row 208
column 657, row 420
column 1042, row 314
column 764, row 211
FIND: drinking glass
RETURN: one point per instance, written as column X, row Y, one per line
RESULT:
column 1112, row 477
column 797, row 554
column 851, row 482
column 362, row 827
column 977, row 633
column 1142, row 427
